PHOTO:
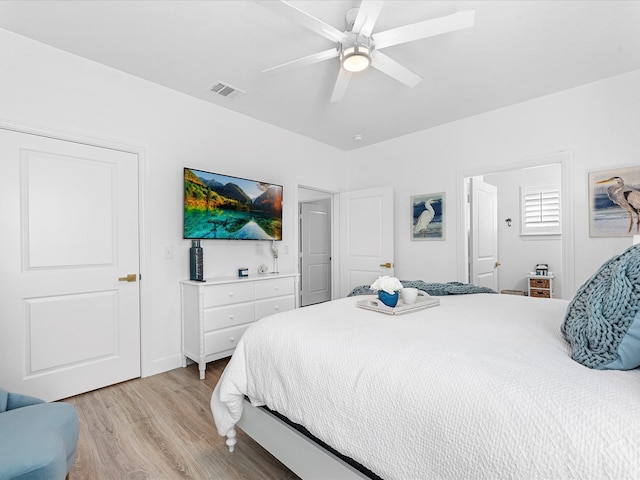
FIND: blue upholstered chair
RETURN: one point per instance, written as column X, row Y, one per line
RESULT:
column 38, row 440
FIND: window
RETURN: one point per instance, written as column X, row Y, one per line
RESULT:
column 540, row 210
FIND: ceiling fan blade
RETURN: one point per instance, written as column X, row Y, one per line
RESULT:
column 304, row 61
column 302, row 18
column 367, row 17
column 392, row 68
column 428, row 28
column 340, row 88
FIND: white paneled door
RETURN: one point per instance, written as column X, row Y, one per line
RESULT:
column 484, row 234
column 366, row 237
column 315, row 251
column 69, row 294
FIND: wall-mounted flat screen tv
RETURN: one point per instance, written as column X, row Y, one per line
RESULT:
column 224, row 207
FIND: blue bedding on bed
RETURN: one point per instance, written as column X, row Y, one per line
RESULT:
column 435, row 289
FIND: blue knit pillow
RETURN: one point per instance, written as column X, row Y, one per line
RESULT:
column 628, row 349
column 602, row 322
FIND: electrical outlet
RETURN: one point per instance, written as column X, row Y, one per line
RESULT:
column 168, row 253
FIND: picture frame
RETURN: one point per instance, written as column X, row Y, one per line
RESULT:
column 614, row 202
column 428, row 216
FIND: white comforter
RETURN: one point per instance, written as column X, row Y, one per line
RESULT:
column 481, row 387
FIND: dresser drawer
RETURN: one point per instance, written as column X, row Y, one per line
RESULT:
column 274, row 288
column 540, row 293
column 216, row 313
column 222, row 340
column 222, row 317
column 539, row 282
column 216, row 295
column 274, row 305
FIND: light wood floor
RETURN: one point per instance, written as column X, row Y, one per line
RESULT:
column 161, row 427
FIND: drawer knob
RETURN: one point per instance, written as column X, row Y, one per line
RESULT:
column 232, row 339
column 231, row 294
column 277, row 288
column 231, row 317
column 277, row 307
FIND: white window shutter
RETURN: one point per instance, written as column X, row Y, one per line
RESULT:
column 540, row 207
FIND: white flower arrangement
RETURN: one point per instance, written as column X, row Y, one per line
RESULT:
column 388, row 284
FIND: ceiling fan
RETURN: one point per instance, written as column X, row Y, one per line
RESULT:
column 359, row 48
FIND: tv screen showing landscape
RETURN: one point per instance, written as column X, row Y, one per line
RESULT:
column 223, row 207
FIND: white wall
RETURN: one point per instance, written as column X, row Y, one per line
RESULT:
column 598, row 123
column 47, row 88
column 519, row 254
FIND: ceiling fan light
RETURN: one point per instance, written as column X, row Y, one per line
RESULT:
column 356, row 58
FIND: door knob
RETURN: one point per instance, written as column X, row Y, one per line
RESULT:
column 497, row 264
column 386, row 265
column 131, row 277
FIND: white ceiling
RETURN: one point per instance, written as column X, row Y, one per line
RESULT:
column 516, row 51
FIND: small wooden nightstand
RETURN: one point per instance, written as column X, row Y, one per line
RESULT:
column 540, row 286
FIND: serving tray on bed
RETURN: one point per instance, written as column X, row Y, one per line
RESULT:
column 376, row 305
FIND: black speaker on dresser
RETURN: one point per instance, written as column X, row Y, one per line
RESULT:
column 196, row 261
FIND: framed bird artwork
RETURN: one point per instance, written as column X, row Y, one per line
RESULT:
column 427, row 214
column 614, row 202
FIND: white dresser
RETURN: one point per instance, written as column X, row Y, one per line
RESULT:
column 216, row 313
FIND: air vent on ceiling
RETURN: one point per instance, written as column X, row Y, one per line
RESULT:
column 226, row 90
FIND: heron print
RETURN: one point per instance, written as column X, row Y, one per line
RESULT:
column 615, row 202
column 427, row 213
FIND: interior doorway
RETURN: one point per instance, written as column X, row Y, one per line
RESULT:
column 518, row 254
column 315, row 239
column 483, row 234
column 360, row 246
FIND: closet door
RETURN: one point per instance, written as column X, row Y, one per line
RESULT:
column 69, row 296
column 366, row 237
column 315, row 251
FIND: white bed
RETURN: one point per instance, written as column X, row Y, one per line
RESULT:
column 480, row 387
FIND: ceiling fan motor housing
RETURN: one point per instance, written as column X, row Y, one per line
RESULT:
column 355, row 52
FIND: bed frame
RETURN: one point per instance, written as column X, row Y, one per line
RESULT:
column 302, row 455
